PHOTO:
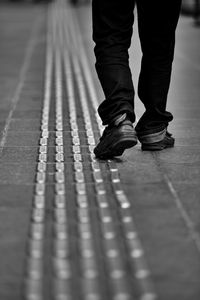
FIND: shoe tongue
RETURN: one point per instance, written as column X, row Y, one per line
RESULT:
column 120, row 119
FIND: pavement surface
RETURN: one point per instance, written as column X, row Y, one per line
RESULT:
column 71, row 226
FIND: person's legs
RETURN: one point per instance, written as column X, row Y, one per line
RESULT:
column 157, row 21
column 112, row 31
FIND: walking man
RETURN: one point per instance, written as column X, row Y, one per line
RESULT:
column 112, row 31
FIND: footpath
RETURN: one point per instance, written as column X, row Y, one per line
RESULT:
column 71, row 226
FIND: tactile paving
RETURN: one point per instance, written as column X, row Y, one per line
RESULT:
column 85, row 227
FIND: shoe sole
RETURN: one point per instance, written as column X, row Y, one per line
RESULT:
column 151, row 147
column 117, row 148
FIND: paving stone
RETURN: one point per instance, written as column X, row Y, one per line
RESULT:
column 10, row 289
column 27, row 114
column 20, row 139
column 184, row 124
column 139, row 166
column 12, row 246
column 189, row 194
column 159, row 223
column 180, row 155
column 27, row 105
column 4, row 114
column 25, row 125
column 16, row 195
column 182, row 172
column 186, row 132
column 17, row 173
column 187, row 141
column 17, row 155
column 2, row 125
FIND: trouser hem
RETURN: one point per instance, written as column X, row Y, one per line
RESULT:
column 152, row 137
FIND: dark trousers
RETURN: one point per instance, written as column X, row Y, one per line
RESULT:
column 112, row 31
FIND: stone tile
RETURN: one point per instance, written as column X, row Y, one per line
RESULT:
column 187, row 141
column 180, row 155
column 2, row 125
column 27, row 105
column 4, row 114
column 20, row 139
column 19, row 155
column 27, row 114
column 17, row 173
column 188, row 173
column 186, row 133
column 25, row 125
column 17, row 22
column 10, row 289
column 137, row 167
column 12, row 247
column 184, row 124
column 166, row 241
column 16, row 195
column 189, row 193
column 148, row 195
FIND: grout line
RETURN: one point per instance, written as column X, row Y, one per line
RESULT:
column 189, row 224
column 185, row 216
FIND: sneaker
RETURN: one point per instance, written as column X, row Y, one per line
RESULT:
column 117, row 137
column 157, row 141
